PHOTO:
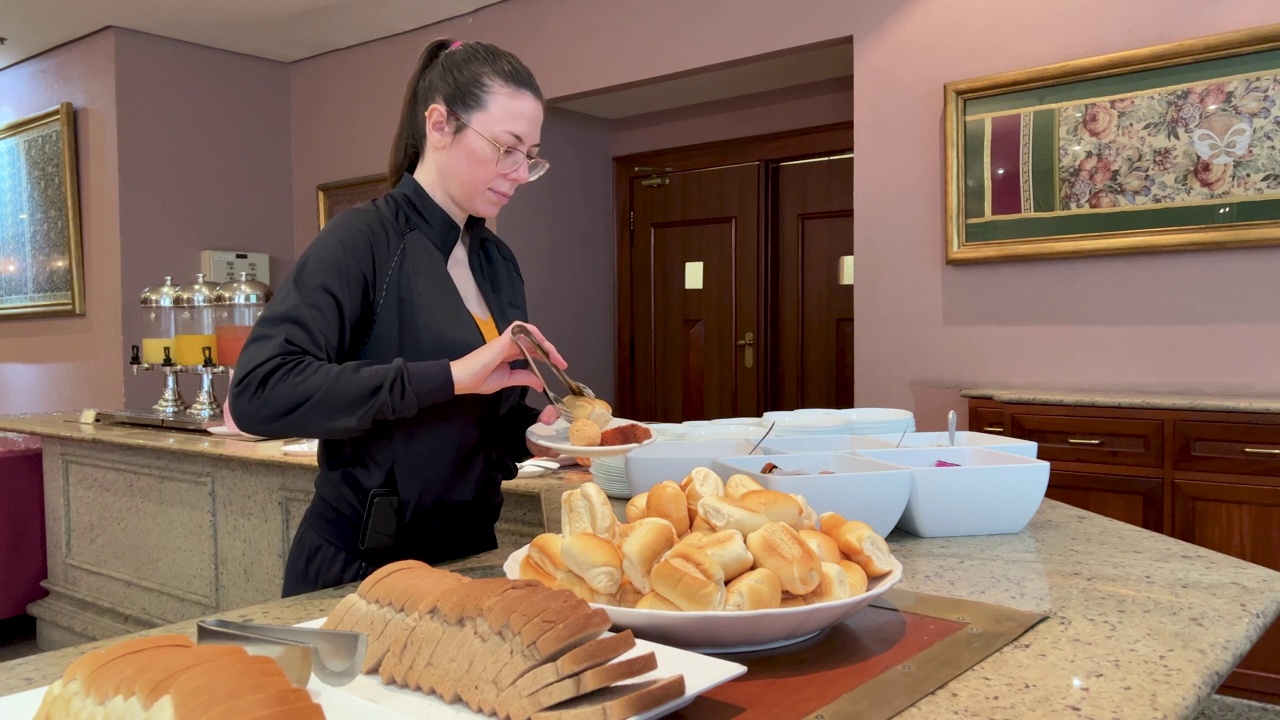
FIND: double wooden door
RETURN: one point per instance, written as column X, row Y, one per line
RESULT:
column 736, row 289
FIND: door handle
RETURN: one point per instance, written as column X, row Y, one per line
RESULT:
column 748, row 344
column 1078, row 441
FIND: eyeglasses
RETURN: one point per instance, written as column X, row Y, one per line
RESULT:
column 509, row 158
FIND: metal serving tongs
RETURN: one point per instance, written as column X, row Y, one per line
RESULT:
column 335, row 656
column 575, row 388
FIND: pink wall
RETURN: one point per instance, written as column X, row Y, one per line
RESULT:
column 819, row 103
column 1191, row 321
column 204, row 165
column 71, row 363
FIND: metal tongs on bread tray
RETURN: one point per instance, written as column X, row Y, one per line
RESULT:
column 335, row 656
column 521, row 334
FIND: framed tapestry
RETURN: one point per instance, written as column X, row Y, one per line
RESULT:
column 1174, row 147
column 332, row 198
column 41, row 270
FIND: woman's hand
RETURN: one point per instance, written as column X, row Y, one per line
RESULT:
column 548, row 417
column 487, row 369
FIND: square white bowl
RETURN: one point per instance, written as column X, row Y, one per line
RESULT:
column 990, row 493
column 675, row 459
column 964, row 438
column 822, row 444
column 859, row 488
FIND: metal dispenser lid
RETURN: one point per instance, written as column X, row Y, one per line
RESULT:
column 196, row 293
column 243, row 291
column 161, row 295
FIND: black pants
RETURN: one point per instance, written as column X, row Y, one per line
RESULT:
column 316, row 564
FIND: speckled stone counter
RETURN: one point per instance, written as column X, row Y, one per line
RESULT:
column 1141, row 625
column 147, row 527
column 1146, row 401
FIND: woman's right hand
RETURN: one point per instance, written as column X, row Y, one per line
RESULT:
column 487, row 369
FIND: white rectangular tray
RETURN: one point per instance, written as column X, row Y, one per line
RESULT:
column 366, row 698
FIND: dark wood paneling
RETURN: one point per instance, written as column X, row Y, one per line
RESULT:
column 1234, row 448
column 1105, row 441
column 1137, row 501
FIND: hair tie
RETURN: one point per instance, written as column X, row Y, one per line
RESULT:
column 457, row 44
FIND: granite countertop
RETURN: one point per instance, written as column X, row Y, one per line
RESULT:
column 1141, row 400
column 1141, row 625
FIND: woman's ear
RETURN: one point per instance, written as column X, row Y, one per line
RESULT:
column 438, row 131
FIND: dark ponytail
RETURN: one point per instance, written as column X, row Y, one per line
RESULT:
column 460, row 77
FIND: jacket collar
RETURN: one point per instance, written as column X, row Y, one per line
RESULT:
column 434, row 222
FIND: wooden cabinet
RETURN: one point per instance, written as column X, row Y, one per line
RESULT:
column 1208, row 478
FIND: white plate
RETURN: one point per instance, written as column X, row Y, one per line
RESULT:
column 226, row 432
column 729, row 631
column 556, row 437
column 366, row 698
column 302, row 449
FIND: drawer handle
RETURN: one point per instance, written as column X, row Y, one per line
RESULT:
column 1262, row 451
column 1078, row 441
column 993, row 429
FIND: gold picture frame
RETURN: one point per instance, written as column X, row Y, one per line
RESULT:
column 41, row 256
column 1168, row 148
column 334, row 197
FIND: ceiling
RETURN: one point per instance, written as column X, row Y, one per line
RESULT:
column 284, row 30
column 754, row 76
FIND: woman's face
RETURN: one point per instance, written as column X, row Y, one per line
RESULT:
column 469, row 162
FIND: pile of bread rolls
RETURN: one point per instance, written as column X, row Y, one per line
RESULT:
column 705, row 545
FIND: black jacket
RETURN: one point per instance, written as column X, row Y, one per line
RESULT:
column 354, row 349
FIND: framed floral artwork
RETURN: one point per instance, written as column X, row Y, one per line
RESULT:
column 334, row 197
column 1174, row 147
column 41, row 271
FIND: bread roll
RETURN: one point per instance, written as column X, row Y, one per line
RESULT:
column 738, row 485
column 758, row 589
column 700, row 526
column 584, row 433
column 778, row 547
column 808, row 517
column 702, row 482
column 723, row 513
column 689, row 578
column 654, row 601
column 826, row 547
column 629, row 594
column 595, row 560
column 834, row 585
column 648, row 541
column 777, row 506
column 544, row 552
column 604, row 522
column 728, row 548
column 863, row 546
column 666, row 500
column 530, row 571
column 636, row 507
column 856, row 575
column 830, row 523
column 791, row 601
column 575, row 516
column 578, row 586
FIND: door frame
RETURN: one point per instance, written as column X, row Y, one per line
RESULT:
column 768, row 150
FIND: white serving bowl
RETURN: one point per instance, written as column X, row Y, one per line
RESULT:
column 859, row 488
column 822, row 444
column 964, row 438
column 751, row 421
column 990, row 493
column 725, row 432
column 808, row 424
column 675, row 459
column 733, row 631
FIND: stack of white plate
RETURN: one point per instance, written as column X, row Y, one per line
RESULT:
column 610, row 473
column 802, row 424
column 878, row 421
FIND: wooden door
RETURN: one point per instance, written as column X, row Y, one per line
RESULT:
column 812, row 328
column 1135, row 500
column 695, row 294
column 1242, row 521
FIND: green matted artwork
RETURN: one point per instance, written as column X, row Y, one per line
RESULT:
column 1175, row 147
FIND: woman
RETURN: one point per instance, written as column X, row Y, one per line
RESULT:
column 391, row 340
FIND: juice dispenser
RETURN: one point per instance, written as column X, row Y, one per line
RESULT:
column 196, row 343
column 239, row 303
column 158, row 319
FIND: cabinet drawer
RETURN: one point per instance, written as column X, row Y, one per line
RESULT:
column 1237, row 448
column 1106, row 441
column 987, row 420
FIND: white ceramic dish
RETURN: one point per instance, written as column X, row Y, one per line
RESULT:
column 859, row 488
column 366, row 698
column 556, row 437
column 674, row 460
column 226, row 432
column 725, row 432
column 964, row 438
column 990, row 493
column 307, row 448
column 876, row 415
column 823, row 444
column 731, row 632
